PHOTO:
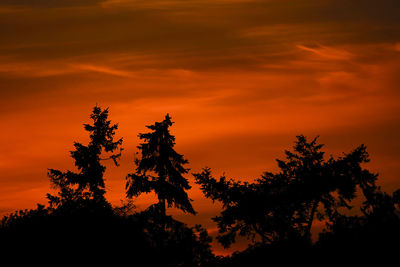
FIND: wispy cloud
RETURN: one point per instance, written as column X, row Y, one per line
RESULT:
column 169, row 4
column 327, row 52
column 102, row 69
column 39, row 69
column 49, row 3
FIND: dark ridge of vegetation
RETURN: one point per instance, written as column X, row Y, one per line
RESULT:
column 275, row 213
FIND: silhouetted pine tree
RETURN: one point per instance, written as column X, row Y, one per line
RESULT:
column 160, row 169
column 87, row 185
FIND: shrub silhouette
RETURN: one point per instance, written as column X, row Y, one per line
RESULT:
column 376, row 230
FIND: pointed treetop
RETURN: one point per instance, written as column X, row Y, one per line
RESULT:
column 160, row 169
column 88, row 182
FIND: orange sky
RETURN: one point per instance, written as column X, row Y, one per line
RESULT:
column 241, row 78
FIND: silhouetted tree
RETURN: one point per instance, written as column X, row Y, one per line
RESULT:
column 160, row 169
column 281, row 207
column 376, row 229
column 80, row 222
column 87, row 185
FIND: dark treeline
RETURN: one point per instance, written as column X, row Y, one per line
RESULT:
column 275, row 213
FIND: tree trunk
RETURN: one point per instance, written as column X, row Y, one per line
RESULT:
column 163, row 208
column 163, row 215
column 311, row 219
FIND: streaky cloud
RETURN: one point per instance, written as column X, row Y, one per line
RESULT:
column 49, row 3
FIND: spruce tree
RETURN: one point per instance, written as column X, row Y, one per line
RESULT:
column 87, row 185
column 160, row 169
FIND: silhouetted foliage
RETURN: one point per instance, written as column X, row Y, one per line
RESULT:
column 81, row 224
column 75, row 235
column 160, row 169
column 276, row 212
column 87, row 185
column 176, row 243
column 375, row 230
column 281, row 207
column 98, row 235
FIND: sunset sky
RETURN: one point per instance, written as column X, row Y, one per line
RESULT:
column 240, row 79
